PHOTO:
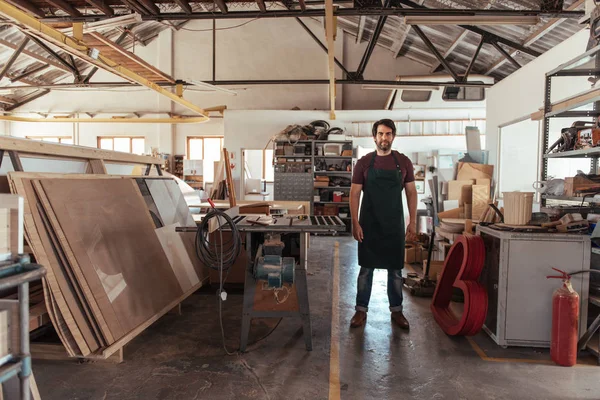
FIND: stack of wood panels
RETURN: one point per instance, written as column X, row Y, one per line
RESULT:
column 114, row 261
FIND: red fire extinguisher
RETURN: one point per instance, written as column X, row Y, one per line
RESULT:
column 565, row 320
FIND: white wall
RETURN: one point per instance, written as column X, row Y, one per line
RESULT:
column 522, row 93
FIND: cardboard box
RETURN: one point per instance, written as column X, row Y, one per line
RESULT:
column 414, row 254
column 434, row 270
column 330, row 209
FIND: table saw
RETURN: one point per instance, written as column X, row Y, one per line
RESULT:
column 277, row 254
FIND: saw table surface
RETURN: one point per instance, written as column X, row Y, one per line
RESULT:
column 256, row 223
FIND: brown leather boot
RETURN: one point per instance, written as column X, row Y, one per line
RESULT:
column 399, row 319
column 359, row 319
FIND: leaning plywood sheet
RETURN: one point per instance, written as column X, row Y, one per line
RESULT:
column 173, row 209
column 69, row 263
column 66, row 326
column 174, row 247
column 107, row 224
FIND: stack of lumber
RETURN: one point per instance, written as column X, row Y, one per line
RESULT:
column 114, row 261
column 472, row 189
column 580, row 185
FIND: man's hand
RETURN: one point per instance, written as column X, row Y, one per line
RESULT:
column 411, row 233
column 357, row 231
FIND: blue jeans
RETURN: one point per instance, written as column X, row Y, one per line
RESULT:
column 365, row 284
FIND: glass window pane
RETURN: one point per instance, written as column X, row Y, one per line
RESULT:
column 137, row 145
column 35, row 138
column 106, row 143
column 269, row 170
column 212, row 153
column 66, row 140
column 195, row 149
column 50, row 139
column 212, row 148
column 122, row 144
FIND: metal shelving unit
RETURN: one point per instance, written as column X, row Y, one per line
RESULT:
column 313, row 161
column 19, row 272
column 587, row 64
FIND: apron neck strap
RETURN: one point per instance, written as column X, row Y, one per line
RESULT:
column 393, row 155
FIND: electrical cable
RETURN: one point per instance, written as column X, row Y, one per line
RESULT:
column 220, row 256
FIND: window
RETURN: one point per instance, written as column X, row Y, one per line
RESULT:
column 464, row 93
column 53, row 139
column 209, row 149
column 415, row 95
column 126, row 144
column 268, row 170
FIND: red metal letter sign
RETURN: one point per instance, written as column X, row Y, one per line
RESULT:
column 462, row 268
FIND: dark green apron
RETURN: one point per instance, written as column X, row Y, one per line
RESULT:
column 382, row 218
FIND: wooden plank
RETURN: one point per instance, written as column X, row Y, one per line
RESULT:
column 569, row 103
column 122, row 53
column 230, row 183
column 455, row 188
column 96, row 167
column 466, row 196
column 54, row 150
column 481, row 197
column 179, row 259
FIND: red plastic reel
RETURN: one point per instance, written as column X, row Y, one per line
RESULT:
column 461, row 270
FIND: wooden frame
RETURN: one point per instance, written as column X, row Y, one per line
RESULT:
column 35, row 148
column 99, row 139
column 60, row 138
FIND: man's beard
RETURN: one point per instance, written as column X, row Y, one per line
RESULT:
column 383, row 146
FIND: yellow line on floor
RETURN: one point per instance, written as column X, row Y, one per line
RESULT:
column 334, row 354
column 485, row 357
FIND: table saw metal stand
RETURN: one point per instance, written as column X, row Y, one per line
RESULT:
column 301, row 291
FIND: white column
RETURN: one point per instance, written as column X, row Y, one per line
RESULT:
column 165, row 62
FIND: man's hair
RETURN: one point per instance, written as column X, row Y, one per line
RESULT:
column 385, row 122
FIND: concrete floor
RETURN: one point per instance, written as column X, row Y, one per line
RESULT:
column 181, row 357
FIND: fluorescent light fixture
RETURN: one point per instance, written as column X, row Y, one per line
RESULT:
column 474, row 20
column 212, row 87
column 399, row 87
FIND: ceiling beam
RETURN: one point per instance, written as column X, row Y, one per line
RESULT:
column 482, row 32
column 36, row 95
column 316, row 39
column 81, row 50
column 346, row 12
column 54, row 54
column 104, row 85
column 302, row 5
column 26, row 5
column 505, row 54
column 261, row 5
column 13, row 58
column 102, row 6
column 474, row 59
column 435, row 52
column 185, row 6
column 35, row 56
column 150, row 6
column 30, row 72
column 90, row 74
column 452, row 47
column 330, row 33
column 372, row 42
column 534, row 36
column 399, row 44
column 66, row 7
column 222, row 6
column 135, row 6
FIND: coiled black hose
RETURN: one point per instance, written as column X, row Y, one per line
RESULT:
column 218, row 255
